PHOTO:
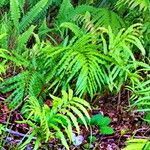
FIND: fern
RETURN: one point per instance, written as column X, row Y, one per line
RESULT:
column 64, row 12
column 43, row 12
column 52, row 120
column 123, row 65
column 30, row 81
column 21, row 85
column 15, row 12
column 140, row 144
column 142, row 4
column 32, row 14
column 3, row 52
column 4, row 29
column 104, row 17
column 3, row 2
column 118, row 49
column 23, row 38
column 80, row 61
column 140, row 96
column 74, row 28
column 84, row 61
column 99, row 16
column 21, row 5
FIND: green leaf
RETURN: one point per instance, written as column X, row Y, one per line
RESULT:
column 105, row 121
column 91, row 139
column 106, row 130
column 96, row 119
column 139, row 144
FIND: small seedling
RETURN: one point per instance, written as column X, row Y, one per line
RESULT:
column 102, row 122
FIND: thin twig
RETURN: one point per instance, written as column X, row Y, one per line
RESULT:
column 17, row 133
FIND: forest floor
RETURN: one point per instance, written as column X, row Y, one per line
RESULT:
column 125, row 123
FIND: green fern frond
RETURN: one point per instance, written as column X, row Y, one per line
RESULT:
column 123, row 38
column 100, row 17
column 143, row 5
column 21, row 85
column 4, row 31
column 140, row 144
column 70, row 14
column 52, row 120
column 21, row 5
column 43, row 12
column 3, row 2
column 81, row 9
column 35, row 84
column 140, row 95
column 104, row 18
column 18, row 84
column 15, row 12
column 74, row 28
column 23, row 38
column 32, row 14
column 3, row 58
column 120, row 49
column 64, row 12
column 82, row 61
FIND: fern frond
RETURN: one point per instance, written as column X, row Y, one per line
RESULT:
column 32, row 14
column 82, row 61
column 74, row 28
column 104, row 18
column 120, row 49
column 76, row 107
column 15, row 12
column 21, row 85
column 140, row 95
column 3, row 54
column 4, row 31
column 139, row 143
column 81, row 9
column 100, row 17
column 18, row 84
column 52, row 120
column 3, row 2
column 35, row 84
column 64, row 12
column 21, row 5
column 23, row 38
column 123, row 38
column 143, row 5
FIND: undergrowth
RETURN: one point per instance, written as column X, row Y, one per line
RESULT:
column 87, row 46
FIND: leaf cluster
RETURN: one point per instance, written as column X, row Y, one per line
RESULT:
column 56, row 121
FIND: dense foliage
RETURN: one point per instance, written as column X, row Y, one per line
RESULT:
column 89, row 46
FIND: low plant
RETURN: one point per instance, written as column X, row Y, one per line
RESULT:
column 140, row 98
column 139, row 144
column 2, row 54
column 101, row 122
column 56, row 121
